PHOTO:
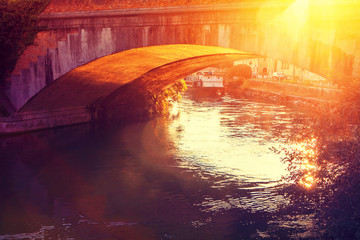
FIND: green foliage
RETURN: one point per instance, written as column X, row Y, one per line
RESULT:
column 18, row 29
column 236, row 75
column 241, row 71
column 328, row 150
column 162, row 102
column 349, row 106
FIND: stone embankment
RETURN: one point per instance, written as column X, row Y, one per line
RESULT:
column 31, row 121
column 297, row 90
column 301, row 96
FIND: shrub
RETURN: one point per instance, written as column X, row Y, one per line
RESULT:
column 160, row 102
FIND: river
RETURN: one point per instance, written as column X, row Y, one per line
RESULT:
column 208, row 173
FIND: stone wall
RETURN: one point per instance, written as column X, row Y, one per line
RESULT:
column 31, row 121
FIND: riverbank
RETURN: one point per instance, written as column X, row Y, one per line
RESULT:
column 305, row 98
column 326, row 94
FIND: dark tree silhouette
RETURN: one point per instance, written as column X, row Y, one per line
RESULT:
column 18, row 28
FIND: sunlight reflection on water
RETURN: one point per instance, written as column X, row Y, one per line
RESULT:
column 214, row 139
column 231, row 140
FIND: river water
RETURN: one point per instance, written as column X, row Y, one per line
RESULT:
column 208, row 173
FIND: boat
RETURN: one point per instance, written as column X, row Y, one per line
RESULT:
column 206, row 82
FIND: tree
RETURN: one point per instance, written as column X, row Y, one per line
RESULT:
column 236, row 75
column 18, row 29
column 241, row 70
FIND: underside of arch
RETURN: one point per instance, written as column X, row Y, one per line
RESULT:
column 123, row 77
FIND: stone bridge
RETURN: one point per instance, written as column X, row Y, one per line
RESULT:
column 319, row 37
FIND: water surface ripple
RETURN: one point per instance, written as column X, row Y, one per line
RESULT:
column 208, row 173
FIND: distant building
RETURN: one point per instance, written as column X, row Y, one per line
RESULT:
column 266, row 67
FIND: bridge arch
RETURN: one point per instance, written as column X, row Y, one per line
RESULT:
column 318, row 43
column 118, row 81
